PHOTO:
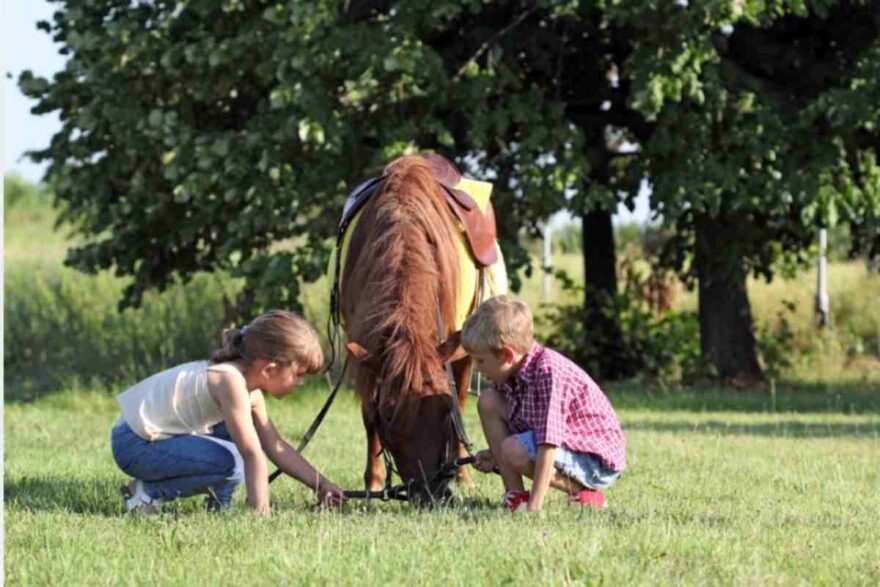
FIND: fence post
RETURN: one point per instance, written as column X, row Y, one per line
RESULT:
column 547, row 261
column 822, row 305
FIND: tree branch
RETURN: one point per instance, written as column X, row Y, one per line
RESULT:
column 491, row 41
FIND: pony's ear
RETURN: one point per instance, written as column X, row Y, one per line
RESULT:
column 451, row 349
column 362, row 355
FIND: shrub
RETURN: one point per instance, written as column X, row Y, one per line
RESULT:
column 664, row 345
column 64, row 327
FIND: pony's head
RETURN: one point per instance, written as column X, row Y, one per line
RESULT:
column 418, row 427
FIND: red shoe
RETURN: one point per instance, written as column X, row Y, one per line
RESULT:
column 516, row 501
column 588, row 498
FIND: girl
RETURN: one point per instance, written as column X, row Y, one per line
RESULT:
column 176, row 426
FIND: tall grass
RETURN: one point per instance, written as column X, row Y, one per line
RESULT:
column 63, row 328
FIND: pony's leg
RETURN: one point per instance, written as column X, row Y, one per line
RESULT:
column 461, row 372
column 374, row 474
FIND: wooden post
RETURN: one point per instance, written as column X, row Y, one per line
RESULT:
column 547, row 261
column 822, row 304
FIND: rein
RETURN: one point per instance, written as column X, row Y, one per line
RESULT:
column 333, row 321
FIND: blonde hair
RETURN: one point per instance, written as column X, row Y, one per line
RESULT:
column 499, row 322
column 277, row 335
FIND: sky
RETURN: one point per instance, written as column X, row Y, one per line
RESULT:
column 25, row 47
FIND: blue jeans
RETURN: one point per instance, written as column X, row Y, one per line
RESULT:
column 585, row 468
column 181, row 466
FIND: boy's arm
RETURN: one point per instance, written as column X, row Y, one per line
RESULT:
column 543, row 473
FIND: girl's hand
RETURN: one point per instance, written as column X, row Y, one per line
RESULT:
column 330, row 495
column 484, row 461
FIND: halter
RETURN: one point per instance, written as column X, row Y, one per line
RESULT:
column 446, row 471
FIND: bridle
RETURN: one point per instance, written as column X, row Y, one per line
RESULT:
column 441, row 476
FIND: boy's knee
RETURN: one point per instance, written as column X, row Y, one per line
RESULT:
column 514, row 453
column 491, row 403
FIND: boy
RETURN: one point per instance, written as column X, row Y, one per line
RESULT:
column 544, row 417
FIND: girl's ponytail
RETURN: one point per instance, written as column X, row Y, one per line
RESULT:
column 233, row 342
column 277, row 335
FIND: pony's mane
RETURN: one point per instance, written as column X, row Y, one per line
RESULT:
column 401, row 264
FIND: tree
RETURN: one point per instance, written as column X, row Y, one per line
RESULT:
column 765, row 125
column 195, row 135
column 545, row 45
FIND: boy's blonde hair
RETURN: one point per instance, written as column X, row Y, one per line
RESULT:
column 499, row 322
column 277, row 335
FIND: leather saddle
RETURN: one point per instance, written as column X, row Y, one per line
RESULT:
column 477, row 227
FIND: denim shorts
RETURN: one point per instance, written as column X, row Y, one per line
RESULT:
column 180, row 466
column 585, row 468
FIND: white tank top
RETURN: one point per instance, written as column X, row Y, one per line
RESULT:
column 174, row 402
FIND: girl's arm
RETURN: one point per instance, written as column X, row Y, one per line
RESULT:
column 233, row 398
column 285, row 457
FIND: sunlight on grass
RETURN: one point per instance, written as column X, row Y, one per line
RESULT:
column 735, row 496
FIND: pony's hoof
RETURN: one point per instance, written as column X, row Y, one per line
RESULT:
column 464, row 480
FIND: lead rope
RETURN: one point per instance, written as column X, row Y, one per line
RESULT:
column 333, row 320
column 457, row 424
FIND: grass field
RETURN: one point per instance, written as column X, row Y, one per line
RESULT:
column 720, row 490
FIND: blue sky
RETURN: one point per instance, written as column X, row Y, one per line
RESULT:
column 25, row 47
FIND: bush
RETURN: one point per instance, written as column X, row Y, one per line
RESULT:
column 664, row 346
column 776, row 342
column 63, row 328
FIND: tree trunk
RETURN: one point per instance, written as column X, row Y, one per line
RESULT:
column 600, row 260
column 600, row 287
column 726, row 336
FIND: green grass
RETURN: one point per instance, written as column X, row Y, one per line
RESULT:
column 720, row 490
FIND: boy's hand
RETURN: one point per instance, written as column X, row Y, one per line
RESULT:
column 484, row 461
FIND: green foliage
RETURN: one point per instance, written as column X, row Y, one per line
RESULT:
column 21, row 199
column 775, row 342
column 63, row 327
column 665, row 346
column 765, row 115
column 196, row 135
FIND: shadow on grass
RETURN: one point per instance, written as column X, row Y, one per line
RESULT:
column 780, row 429
column 54, row 494
column 789, row 397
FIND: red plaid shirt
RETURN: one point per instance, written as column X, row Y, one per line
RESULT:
column 563, row 406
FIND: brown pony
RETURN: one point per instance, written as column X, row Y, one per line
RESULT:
column 400, row 283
